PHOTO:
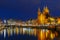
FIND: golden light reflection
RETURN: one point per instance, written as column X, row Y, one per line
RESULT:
column 17, row 30
column 52, row 35
column 8, row 31
column 43, row 35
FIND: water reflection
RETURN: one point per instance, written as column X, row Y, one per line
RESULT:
column 39, row 34
column 4, row 33
column 45, row 34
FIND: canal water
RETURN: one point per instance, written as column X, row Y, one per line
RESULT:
column 18, row 37
column 26, row 34
column 9, row 34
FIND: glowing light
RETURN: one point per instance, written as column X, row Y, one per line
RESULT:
column 52, row 35
column 8, row 31
column 17, row 30
column 4, row 33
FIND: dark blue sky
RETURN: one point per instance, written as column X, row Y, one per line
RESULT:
column 26, row 9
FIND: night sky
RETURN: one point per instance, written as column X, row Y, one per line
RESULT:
column 26, row 9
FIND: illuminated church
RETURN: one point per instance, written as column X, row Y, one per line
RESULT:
column 45, row 18
column 42, row 16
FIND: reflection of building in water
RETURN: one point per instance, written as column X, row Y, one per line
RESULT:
column 16, row 30
column 21, row 30
column 42, row 33
column 29, row 31
column 4, row 33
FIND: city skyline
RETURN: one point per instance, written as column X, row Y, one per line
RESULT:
column 29, row 19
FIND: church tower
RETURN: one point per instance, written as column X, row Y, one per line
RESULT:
column 38, row 15
column 41, row 17
column 46, row 12
column 39, row 12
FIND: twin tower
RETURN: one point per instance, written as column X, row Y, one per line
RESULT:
column 43, row 16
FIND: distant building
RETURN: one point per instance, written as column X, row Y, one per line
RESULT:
column 11, row 22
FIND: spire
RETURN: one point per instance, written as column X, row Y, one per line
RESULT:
column 46, row 10
column 39, row 11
